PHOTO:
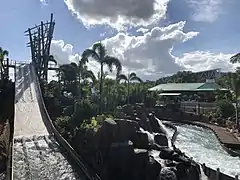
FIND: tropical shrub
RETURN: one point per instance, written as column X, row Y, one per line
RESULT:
column 225, row 109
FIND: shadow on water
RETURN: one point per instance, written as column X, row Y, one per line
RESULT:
column 23, row 80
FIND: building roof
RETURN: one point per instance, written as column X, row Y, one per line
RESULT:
column 208, row 86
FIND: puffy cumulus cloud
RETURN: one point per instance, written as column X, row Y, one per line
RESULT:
column 63, row 52
column 116, row 13
column 142, row 30
column 44, row 2
column 149, row 54
column 206, row 10
column 200, row 61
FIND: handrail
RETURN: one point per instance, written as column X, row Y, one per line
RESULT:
column 90, row 174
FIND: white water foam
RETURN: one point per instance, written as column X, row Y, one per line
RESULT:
column 167, row 132
column 204, row 147
column 41, row 159
column 28, row 118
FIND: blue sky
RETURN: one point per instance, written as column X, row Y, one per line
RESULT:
column 206, row 40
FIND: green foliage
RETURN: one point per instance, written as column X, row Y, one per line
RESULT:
column 151, row 99
column 84, row 109
column 62, row 124
column 94, row 124
column 225, row 109
column 224, row 95
column 91, row 126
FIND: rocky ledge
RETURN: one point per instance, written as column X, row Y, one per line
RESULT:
column 135, row 146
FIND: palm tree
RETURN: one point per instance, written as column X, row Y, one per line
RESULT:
column 3, row 54
column 235, row 83
column 99, row 53
column 83, row 74
column 235, row 59
column 129, row 78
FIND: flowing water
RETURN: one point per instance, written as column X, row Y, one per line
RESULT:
column 41, row 158
column 36, row 154
column 204, row 147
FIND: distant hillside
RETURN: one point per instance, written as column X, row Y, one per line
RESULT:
column 192, row 77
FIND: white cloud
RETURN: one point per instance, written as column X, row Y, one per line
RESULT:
column 206, row 10
column 200, row 61
column 142, row 30
column 148, row 54
column 44, row 2
column 63, row 52
column 116, row 13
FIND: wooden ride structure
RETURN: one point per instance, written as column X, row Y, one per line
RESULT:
column 40, row 37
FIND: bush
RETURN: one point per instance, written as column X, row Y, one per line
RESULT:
column 90, row 126
column 62, row 124
column 225, row 109
column 83, row 110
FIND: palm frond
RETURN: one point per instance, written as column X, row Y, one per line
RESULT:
column 74, row 65
column 110, row 61
column 52, row 59
column 136, row 78
column 121, row 77
column 132, row 75
column 90, row 53
column 89, row 75
column 100, row 49
column 235, row 58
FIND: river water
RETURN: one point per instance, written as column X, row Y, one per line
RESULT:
column 203, row 146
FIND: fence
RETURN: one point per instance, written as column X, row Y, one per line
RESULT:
column 198, row 107
column 216, row 174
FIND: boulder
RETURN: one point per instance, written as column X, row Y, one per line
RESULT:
column 161, row 139
column 140, row 110
column 127, row 109
column 119, row 161
column 106, row 136
column 156, row 127
column 144, row 123
column 139, row 164
column 140, row 140
column 107, row 133
column 153, row 169
column 126, row 129
column 167, row 174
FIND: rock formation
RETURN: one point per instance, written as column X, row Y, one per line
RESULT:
column 135, row 146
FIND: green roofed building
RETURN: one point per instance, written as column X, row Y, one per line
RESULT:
column 187, row 87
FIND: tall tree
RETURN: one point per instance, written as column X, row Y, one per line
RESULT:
column 3, row 54
column 235, row 82
column 84, row 74
column 235, row 58
column 236, row 88
column 98, row 52
column 129, row 78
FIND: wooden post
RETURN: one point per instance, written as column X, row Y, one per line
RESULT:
column 204, row 167
column 218, row 174
column 236, row 177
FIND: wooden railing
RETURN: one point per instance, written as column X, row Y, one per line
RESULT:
column 216, row 174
